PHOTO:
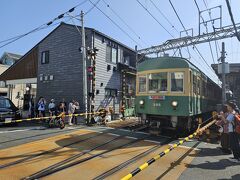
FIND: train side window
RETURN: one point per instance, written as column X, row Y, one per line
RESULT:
column 157, row 82
column 194, row 84
column 142, row 84
column 177, row 81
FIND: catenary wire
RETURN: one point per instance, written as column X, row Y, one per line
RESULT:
column 43, row 26
column 165, row 17
column 195, row 48
column 115, row 23
column 154, row 18
column 133, row 31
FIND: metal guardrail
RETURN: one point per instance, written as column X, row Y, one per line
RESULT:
column 152, row 160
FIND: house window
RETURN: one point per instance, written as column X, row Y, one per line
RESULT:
column 110, row 92
column 114, row 55
column 2, row 84
column 45, row 57
column 111, row 54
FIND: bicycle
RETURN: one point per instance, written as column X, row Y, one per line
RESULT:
column 57, row 121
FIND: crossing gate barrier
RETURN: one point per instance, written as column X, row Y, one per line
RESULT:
column 47, row 117
column 152, row 160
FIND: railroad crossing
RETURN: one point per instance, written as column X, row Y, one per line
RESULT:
column 82, row 152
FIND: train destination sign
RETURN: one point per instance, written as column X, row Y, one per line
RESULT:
column 157, row 97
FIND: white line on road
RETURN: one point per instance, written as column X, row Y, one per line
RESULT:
column 130, row 137
column 21, row 130
column 151, row 141
column 113, row 134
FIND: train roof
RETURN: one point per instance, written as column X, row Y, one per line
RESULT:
column 165, row 63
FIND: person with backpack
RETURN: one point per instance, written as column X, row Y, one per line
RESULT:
column 233, row 138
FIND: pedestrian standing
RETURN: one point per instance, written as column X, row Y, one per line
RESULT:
column 76, row 111
column 41, row 107
column 31, row 108
column 52, row 108
column 71, row 109
column 233, row 138
column 225, row 147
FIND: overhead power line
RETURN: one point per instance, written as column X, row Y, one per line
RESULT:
column 43, row 26
column 165, row 17
column 232, row 19
column 154, row 18
column 94, row 5
column 195, row 47
column 124, row 22
column 210, row 46
column 115, row 23
column 181, row 24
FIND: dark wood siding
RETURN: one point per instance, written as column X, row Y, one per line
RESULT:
column 24, row 68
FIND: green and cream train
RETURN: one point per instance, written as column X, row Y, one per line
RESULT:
column 172, row 92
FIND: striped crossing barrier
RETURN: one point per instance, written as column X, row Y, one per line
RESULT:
column 47, row 117
column 152, row 160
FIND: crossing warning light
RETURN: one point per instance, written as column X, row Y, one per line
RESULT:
column 90, row 69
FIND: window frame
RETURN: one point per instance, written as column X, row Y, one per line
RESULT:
column 110, row 54
column 112, row 92
column 46, row 58
column 170, row 79
column 146, row 83
column 160, row 91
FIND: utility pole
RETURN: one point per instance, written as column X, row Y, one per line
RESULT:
column 223, row 73
column 84, row 68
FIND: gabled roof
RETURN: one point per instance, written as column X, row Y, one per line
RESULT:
column 21, row 69
column 104, row 35
column 13, row 56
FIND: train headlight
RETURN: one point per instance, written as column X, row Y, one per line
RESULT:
column 174, row 103
column 141, row 102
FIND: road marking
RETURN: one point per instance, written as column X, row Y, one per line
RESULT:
column 186, row 147
column 21, row 130
column 130, row 137
column 125, row 130
column 151, row 141
column 113, row 134
column 142, row 133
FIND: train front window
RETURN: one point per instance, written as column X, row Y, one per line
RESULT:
column 157, row 82
column 142, row 84
column 177, row 81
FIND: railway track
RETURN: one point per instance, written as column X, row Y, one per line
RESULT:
column 130, row 161
column 93, row 154
column 47, row 152
column 68, row 162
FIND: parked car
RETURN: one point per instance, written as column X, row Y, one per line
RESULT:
column 8, row 111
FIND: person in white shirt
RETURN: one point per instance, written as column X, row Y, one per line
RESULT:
column 71, row 110
column 233, row 139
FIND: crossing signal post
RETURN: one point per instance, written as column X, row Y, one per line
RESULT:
column 91, row 55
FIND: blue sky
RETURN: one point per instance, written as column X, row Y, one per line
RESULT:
column 19, row 17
